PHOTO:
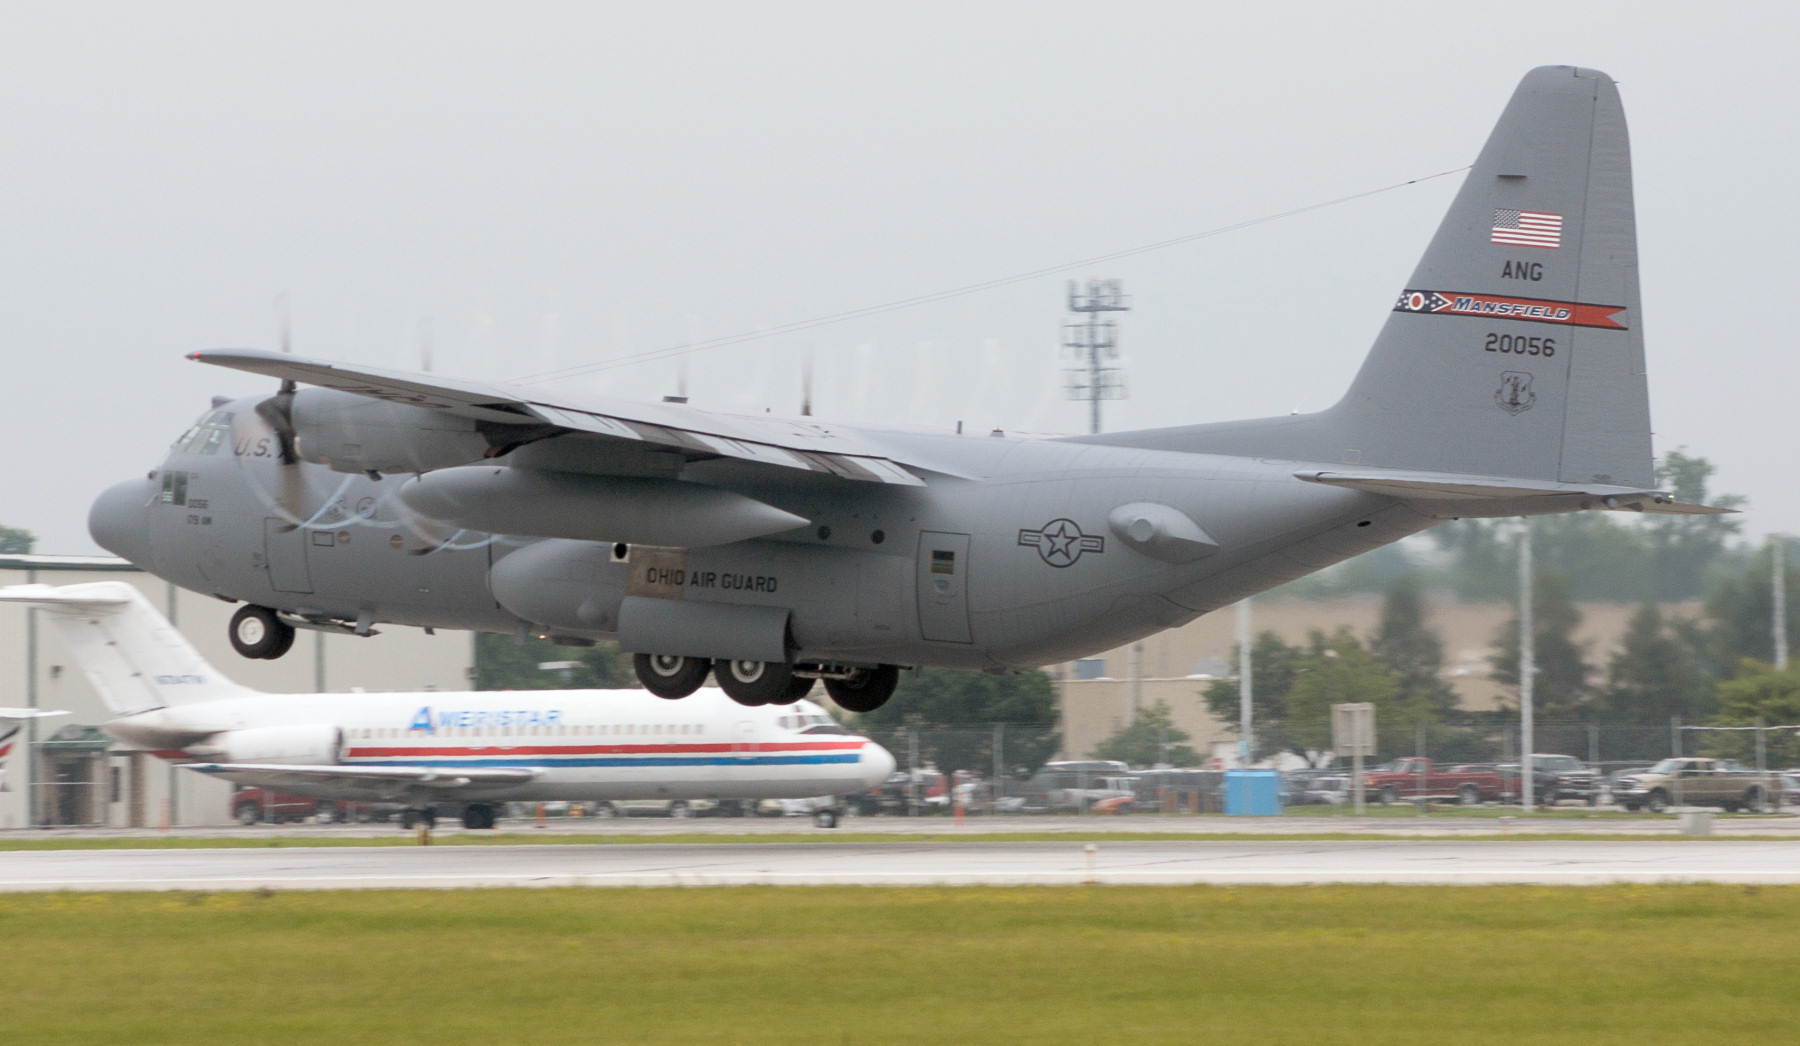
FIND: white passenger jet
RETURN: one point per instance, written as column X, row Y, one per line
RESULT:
column 479, row 749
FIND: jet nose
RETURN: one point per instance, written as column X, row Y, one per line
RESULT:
column 120, row 517
column 875, row 764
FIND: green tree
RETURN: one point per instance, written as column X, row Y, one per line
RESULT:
column 502, row 664
column 1295, row 687
column 1740, row 612
column 1274, row 665
column 1760, row 693
column 1560, row 690
column 1153, row 738
column 16, row 542
column 955, row 712
column 1686, row 546
column 1655, row 674
column 1413, row 652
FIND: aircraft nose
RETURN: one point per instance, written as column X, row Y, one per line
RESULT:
column 875, row 764
column 120, row 517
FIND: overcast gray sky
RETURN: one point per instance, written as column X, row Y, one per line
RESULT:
column 552, row 185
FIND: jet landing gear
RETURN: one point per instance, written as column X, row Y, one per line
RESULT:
column 477, row 816
column 411, row 818
column 666, row 675
column 865, row 689
column 257, row 633
column 755, row 683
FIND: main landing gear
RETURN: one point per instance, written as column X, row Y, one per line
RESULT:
column 257, row 633
column 478, row 816
column 754, row 683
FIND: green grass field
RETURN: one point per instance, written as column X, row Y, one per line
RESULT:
column 1627, row 964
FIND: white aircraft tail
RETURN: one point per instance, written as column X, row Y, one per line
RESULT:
column 134, row 659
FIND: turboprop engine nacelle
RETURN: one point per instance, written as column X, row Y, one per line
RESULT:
column 544, row 504
column 350, row 433
column 315, row 745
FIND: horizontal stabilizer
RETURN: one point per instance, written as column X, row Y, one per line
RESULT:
column 48, row 596
column 449, row 777
column 1451, row 486
column 26, row 713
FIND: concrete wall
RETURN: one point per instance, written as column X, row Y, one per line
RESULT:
column 398, row 659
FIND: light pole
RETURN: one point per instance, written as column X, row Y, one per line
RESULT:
column 1527, row 666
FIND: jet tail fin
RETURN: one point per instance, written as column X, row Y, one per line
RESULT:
column 134, row 659
column 1517, row 348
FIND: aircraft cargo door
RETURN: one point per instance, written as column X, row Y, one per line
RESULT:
column 944, row 587
column 284, row 546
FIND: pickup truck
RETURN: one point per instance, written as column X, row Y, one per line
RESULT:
column 1693, row 781
column 1419, row 778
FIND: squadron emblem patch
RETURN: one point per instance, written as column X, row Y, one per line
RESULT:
column 1514, row 394
column 1060, row 542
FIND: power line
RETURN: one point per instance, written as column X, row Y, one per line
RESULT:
column 847, row 315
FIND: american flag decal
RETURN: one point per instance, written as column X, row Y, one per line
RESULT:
column 1528, row 229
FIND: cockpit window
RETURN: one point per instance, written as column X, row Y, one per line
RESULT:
column 207, row 435
column 824, row 728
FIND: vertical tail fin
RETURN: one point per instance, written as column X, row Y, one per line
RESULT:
column 132, row 656
column 1516, row 348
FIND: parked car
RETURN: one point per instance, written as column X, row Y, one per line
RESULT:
column 1331, row 790
column 1790, row 788
column 653, row 807
column 1417, row 777
column 1696, row 781
column 250, row 805
column 1553, row 778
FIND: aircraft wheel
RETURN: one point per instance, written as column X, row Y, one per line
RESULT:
column 408, row 818
column 796, row 690
column 667, row 675
column 865, row 691
column 754, row 683
column 257, row 633
column 478, row 816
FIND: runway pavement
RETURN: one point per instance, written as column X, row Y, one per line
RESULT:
column 1554, row 862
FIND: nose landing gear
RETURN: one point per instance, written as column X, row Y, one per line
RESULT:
column 257, row 633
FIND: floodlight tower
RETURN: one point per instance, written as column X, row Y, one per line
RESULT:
column 1088, row 342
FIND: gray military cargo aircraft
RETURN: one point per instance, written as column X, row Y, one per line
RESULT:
column 775, row 552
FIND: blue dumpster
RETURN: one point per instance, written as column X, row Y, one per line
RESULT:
column 1252, row 793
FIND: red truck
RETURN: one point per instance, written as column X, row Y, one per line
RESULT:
column 1419, row 778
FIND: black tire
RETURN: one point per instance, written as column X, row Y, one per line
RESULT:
column 408, row 819
column 258, row 634
column 1468, row 795
column 865, row 691
column 798, row 688
column 605, row 809
column 680, row 808
column 478, row 816
column 753, row 683
column 1657, row 802
column 428, row 818
column 667, row 675
column 826, row 819
column 326, row 812
column 1387, row 796
column 1630, row 808
column 247, row 813
column 1756, row 801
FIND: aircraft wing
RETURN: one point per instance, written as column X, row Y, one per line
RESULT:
column 1452, row 486
column 802, row 444
column 447, row 778
column 26, row 713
